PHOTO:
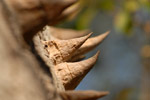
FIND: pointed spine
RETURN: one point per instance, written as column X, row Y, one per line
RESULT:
column 65, row 34
column 72, row 73
column 90, row 44
column 59, row 5
column 68, row 13
column 82, row 95
column 62, row 50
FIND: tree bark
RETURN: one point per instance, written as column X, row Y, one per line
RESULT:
column 28, row 70
column 20, row 70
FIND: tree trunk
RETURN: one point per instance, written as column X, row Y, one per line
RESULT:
column 20, row 70
column 26, row 72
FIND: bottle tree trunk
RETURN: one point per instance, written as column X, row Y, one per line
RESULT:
column 31, row 67
column 20, row 70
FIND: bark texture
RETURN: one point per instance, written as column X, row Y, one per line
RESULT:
column 27, row 69
column 20, row 70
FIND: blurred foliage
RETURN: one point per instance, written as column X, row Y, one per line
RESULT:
column 124, row 12
column 123, row 22
column 124, row 94
column 91, row 8
column 145, row 3
column 125, row 18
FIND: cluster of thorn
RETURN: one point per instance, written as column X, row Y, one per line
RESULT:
column 66, row 48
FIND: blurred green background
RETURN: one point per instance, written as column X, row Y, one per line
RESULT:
column 123, row 67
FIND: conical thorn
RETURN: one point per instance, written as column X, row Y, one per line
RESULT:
column 68, row 14
column 90, row 44
column 62, row 50
column 72, row 73
column 64, row 34
column 58, row 5
column 82, row 95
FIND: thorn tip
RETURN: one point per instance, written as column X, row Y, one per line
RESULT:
column 72, row 73
column 82, row 95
